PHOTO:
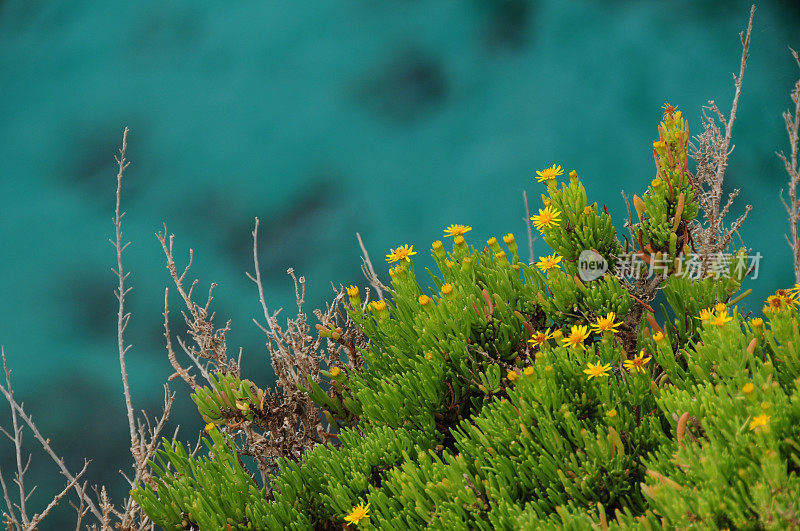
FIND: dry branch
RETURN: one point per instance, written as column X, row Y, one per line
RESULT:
column 792, row 121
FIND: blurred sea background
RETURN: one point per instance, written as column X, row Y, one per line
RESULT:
column 392, row 118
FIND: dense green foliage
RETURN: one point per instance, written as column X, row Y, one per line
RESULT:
column 487, row 403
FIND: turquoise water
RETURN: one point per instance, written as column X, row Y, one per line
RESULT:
column 389, row 118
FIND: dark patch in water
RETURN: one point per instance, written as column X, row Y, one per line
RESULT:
column 508, row 22
column 285, row 238
column 405, row 87
column 88, row 303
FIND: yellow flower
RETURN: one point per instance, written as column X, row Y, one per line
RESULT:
column 539, row 338
column 459, row 240
column 528, row 371
column 508, row 238
column 456, row 230
column 429, row 356
column 546, row 263
column 557, row 334
column 669, row 110
column 377, row 306
column 352, row 291
column 501, row 256
column 549, row 173
column 637, row 364
column 705, row 315
column 748, row 388
column 758, row 322
column 210, row 427
column 655, row 183
column 721, row 318
column 596, row 370
column 720, row 307
column 424, row 300
column 577, row 335
column 358, row 513
column 336, row 371
column 547, row 218
column 401, row 253
column 512, row 376
column 658, row 337
column 447, row 289
column 587, row 210
column 612, row 413
column 775, row 303
column 761, row 421
column 449, row 263
column 437, row 245
column 606, row 324
column 658, row 144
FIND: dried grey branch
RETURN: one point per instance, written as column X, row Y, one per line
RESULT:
column 790, row 163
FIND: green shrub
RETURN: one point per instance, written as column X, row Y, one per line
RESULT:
column 498, row 394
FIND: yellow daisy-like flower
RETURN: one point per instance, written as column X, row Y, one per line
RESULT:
column 210, row 427
column 447, row 289
column 539, row 338
column 638, row 363
column 720, row 307
column 658, row 337
column 546, row 263
column 596, row 370
column 705, row 315
column 377, row 306
column 456, row 230
column 761, row 421
column 669, row 110
column 748, row 388
column 509, row 239
column 401, row 253
column 606, row 324
column 758, row 322
column 547, row 218
column 788, row 295
column 528, row 371
column 549, row 173
column 335, row 372
column 721, row 318
column 577, row 335
column 358, row 513
column 512, row 376
column 352, row 291
column 424, row 300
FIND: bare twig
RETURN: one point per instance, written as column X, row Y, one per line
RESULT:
column 711, row 150
column 792, row 121
column 122, row 317
column 369, row 271
column 210, row 341
column 57, row 498
column 18, row 410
